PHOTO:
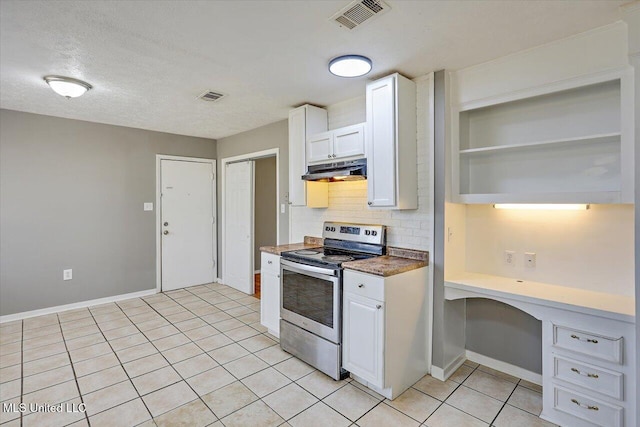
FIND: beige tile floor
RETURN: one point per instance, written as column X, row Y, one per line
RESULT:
column 199, row 356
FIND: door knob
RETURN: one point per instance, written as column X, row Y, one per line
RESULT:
column 165, row 232
column 166, row 223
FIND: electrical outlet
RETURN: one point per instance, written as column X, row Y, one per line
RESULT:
column 529, row 259
column 510, row 258
column 67, row 274
column 148, row 206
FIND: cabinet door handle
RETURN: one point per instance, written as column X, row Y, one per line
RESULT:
column 590, row 407
column 590, row 375
column 361, row 285
column 575, row 337
column 328, row 156
column 378, row 306
column 269, row 262
column 333, row 155
column 369, row 203
column 278, row 276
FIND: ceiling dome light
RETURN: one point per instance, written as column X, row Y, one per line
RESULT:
column 66, row 86
column 350, row 66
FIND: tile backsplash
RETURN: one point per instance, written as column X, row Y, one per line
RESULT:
column 348, row 200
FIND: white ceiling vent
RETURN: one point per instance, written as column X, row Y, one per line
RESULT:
column 211, row 96
column 358, row 12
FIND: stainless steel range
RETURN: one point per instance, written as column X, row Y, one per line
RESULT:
column 311, row 293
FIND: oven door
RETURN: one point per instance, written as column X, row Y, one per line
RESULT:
column 311, row 298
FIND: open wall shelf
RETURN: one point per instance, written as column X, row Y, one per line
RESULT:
column 568, row 146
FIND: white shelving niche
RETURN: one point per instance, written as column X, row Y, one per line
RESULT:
column 569, row 142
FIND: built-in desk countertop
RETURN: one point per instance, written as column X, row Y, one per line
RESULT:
column 470, row 285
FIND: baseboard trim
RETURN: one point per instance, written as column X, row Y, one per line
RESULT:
column 505, row 367
column 442, row 374
column 72, row 306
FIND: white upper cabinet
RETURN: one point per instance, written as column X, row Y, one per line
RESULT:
column 346, row 143
column 319, row 148
column 567, row 143
column 391, row 143
column 304, row 121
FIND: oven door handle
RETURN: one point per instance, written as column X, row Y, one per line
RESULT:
column 304, row 268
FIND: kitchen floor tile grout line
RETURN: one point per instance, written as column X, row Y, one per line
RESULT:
column 170, row 364
column 291, row 381
column 168, row 302
column 125, row 371
column 505, row 403
column 73, row 369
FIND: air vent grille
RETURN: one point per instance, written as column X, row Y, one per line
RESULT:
column 211, row 96
column 358, row 12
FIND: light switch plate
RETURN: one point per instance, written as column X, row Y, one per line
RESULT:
column 148, row 206
column 67, row 274
column 282, row 208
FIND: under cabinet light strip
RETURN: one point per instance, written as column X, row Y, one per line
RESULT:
column 542, row 207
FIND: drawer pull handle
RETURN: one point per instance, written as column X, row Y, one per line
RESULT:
column 577, row 371
column 575, row 337
column 592, row 408
column 361, row 285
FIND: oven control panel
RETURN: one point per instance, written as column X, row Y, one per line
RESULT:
column 364, row 233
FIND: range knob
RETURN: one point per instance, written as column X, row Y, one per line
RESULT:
column 367, row 232
column 327, row 229
column 374, row 233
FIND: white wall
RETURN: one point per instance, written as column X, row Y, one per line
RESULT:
column 348, row 200
column 590, row 249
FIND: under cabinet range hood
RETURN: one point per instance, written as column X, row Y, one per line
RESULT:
column 351, row 170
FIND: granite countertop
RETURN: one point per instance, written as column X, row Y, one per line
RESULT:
column 396, row 261
column 309, row 242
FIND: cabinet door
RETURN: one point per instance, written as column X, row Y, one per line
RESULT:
column 381, row 142
column 319, row 148
column 363, row 338
column 270, row 301
column 348, row 142
column 297, row 138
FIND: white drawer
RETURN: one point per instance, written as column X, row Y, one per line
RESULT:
column 365, row 285
column 270, row 263
column 587, row 408
column 588, row 376
column 598, row 346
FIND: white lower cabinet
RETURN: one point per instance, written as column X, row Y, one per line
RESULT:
column 384, row 329
column 587, row 374
column 270, row 293
column 363, row 335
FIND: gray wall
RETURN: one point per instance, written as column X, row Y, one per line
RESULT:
column 504, row 333
column 265, row 206
column 71, row 195
column 275, row 135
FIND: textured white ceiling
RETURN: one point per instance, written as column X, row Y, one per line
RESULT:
column 149, row 60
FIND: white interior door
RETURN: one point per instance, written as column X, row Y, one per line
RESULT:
column 187, row 223
column 238, row 217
